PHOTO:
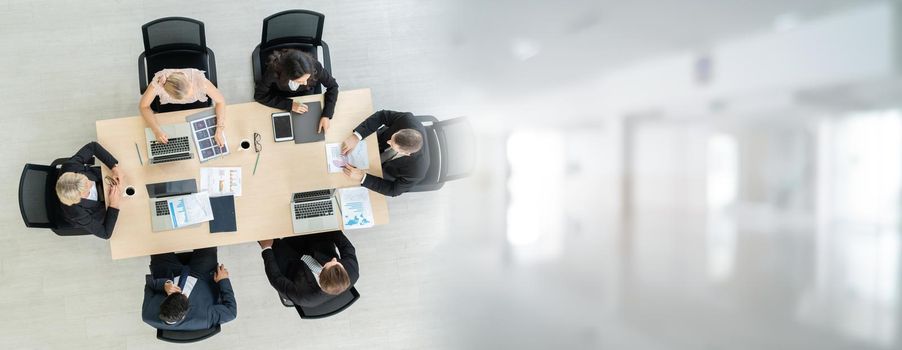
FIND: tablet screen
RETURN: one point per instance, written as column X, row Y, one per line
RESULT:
column 282, row 125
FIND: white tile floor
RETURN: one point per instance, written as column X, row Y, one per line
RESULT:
column 66, row 64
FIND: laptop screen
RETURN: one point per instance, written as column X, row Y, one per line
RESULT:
column 171, row 188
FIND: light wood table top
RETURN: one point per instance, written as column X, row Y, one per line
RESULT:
column 262, row 211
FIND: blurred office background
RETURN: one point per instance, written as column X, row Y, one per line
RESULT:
column 651, row 174
column 681, row 175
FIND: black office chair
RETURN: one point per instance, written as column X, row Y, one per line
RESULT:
column 38, row 203
column 331, row 307
column 175, row 42
column 292, row 29
column 452, row 151
column 183, row 337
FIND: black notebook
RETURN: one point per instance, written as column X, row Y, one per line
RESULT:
column 306, row 125
column 223, row 214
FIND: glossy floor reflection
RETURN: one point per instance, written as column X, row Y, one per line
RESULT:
column 674, row 235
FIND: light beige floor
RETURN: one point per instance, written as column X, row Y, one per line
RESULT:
column 67, row 64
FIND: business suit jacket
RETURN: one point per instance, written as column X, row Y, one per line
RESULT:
column 403, row 173
column 92, row 216
column 210, row 304
column 297, row 281
column 274, row 92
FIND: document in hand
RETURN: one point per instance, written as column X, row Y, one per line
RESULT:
column 191, row 209
column 356, row 210
column 357, row 157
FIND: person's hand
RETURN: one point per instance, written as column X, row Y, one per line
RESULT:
column 218, row 137
column 353, row 172
column 221, row 273
column 113, row 195
column 170, row 288
column 349, row 143
column 161, row 136
column 266, row 243
column 323, row 124
column 298, row 107
column 117, row 174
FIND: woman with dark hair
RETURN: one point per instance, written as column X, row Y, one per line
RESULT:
column 291, row 72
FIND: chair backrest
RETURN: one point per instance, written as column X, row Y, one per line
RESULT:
column 173, row 33
column 458, row 143
column 37, row 194
column 187, row 336
column 295, row 26
column 330, row 307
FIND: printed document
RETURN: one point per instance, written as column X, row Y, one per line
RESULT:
column 356, row 210
column 221, row 181
column 357, row 157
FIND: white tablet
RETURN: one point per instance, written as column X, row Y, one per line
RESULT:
column 281, row 127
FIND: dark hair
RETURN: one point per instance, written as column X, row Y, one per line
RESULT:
column 174, row 308
column 409, row 139
column 290, row 64
column 334, row 279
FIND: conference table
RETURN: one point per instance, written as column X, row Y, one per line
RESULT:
column 262, row 211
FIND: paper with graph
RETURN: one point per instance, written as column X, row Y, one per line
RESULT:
column 357, row 157
column 356, row 210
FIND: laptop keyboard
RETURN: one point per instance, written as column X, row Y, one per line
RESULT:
column 170, row 158
column 162, row 208
column 300, row 196
column 175, row 145
column 313, row 209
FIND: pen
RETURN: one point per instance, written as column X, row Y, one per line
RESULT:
column 139, row 154
column 255, row 164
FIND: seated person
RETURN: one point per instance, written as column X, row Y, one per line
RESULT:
column 405, row 154
column 310, row 269
column 188, row 297
column 181, row 86
column 76, row 188
column 291, row 72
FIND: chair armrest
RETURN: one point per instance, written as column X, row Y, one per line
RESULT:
column 142, row 73
column 426, row 119
column 211, row 64
column 327, row 60
column 256, row 65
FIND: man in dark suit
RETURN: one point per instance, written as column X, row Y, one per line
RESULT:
column 188, row 297
column 311, row 269
column 80, row 191
column 404, row 152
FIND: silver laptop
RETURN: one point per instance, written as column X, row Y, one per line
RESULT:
column 314, row 211
column 178, row 147
column 161, row 217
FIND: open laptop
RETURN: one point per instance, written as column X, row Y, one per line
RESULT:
column 161, row 217
column 314, row 211
column 178, row 147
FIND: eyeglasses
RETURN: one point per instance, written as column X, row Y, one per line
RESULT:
column 257, row 146
column 110, row 181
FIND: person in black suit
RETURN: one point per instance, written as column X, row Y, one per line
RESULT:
column 311, row 269
column 404, row 152
column 198, row 298
column 77, row 189
column 291, row 72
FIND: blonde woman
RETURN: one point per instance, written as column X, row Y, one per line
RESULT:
column 181, row 86
column 77, row 189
